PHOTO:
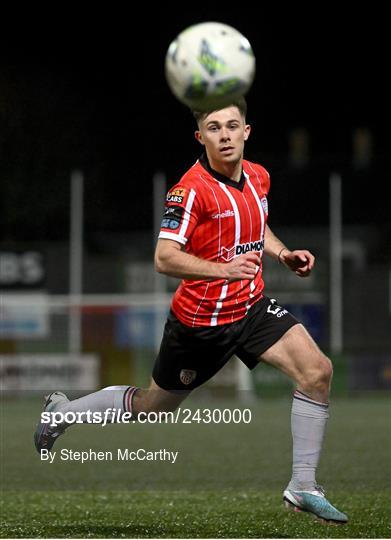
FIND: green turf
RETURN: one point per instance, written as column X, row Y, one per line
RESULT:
column 184, row 514
column 227, row 480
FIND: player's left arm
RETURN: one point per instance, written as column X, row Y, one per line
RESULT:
column 300, row 261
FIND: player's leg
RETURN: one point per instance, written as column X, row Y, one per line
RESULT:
column 187, row 358
column 130, row 399
column 297, row 355
column 178, row 370
column 123, row 399
column 118, row 399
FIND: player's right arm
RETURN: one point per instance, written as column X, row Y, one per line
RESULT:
column 170, row 259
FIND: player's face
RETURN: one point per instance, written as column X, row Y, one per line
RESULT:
column 223, row 133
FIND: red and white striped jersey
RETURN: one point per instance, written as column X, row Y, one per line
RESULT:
column 217, row 219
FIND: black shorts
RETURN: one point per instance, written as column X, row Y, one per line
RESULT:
column 189, row 357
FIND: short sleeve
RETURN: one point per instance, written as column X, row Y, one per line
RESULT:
column 181, row 214
column 265, row 180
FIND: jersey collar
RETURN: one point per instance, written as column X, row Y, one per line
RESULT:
column 221, row 177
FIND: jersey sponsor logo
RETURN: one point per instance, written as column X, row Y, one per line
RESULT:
column 176, row 195
column 249, row 246
column 240, row 249
column 172, row 217
column 187, row 376
column 226, row 213
column 173, row 212
column 174, row 198
column 170, row 224
column 265, row 205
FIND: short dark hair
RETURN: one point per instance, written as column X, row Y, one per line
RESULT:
column 240, row 103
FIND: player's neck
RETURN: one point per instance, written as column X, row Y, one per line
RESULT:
column 230, row 170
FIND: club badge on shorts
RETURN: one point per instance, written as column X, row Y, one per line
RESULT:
column 187, row 376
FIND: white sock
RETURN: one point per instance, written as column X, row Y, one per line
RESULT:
column 308, row 423
column 119, row 398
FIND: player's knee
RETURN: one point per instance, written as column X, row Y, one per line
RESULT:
column 319, row 376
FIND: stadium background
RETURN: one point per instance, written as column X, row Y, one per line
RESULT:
column 82, row 98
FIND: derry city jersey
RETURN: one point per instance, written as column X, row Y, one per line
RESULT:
column 217, row 219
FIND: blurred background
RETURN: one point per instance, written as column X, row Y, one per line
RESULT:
column 91, row 138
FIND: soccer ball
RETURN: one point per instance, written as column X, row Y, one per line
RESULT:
column 209, row 65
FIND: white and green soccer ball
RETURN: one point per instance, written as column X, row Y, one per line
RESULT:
column 209, row 65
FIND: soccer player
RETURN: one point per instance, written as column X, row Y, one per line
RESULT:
column 213, row 235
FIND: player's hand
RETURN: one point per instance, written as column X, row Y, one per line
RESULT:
column 299, row 261
column 243, row 267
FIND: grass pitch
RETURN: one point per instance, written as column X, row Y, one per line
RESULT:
column 227, row 481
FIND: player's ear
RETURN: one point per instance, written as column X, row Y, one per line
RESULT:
column 247, row 131
column 198, row 136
